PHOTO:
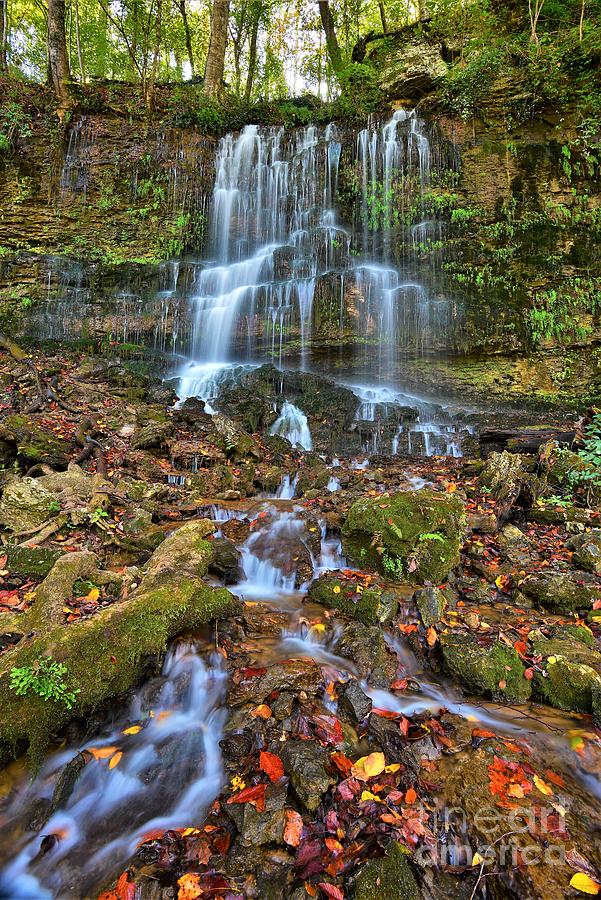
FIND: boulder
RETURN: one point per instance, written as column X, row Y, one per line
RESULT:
column 36, row 561
column 413, row 535
column 26, row 505
column 571, row 678
column 154, row 434
column 561, row 593
column 305, row 762
column 258, row 828
column 370, row 605
column 587, row 550
column 495, row 671
column 431, row 603
column 36, row 445
column 227, row 561
column 366, row 648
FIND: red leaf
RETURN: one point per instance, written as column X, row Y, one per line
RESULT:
column 272, row 765
column 342, row 763
column 331, row 891
column 256, row 792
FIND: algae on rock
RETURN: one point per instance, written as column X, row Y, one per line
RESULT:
column 495, row 671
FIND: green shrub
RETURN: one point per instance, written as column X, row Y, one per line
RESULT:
column 44, row 677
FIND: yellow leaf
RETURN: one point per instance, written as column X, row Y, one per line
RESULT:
column 93, row 595
column 188, row 887
column 583, row 883
column 393, row 767
column 367, row 795
column 336, row 588
column 552, row 659
column 115, row 760
column 189, row 831
column 134, row 729
column 369, row 766
column 477, row 860
column 543, row 786
column 319, row 628
column 102, row 752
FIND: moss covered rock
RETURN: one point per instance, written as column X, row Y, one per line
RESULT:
column 494, row 671
column 587, row 551
column 107, row 653
column 371, row 606
column 37, row 445
column 412, row 534
column 431, row 603
column 36, row 561
column 568, row 685
column 390, row 877
column 26, row 505
column 561, row 593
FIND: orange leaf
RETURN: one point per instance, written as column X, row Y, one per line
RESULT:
column 410, row 796
column 261, row 712
column 369, row 766
column 431, row 636
column 272, row 765
column 294, row 828
column 102, row 752
column 115, row 760
column 189, row 889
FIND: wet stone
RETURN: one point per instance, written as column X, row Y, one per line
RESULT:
column 431, row 603
column 305, row 762
column 355, row 701
column 587, row 551
column 257, row 828
column 561, row 593
column 295, row 675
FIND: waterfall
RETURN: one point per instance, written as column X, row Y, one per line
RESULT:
column 293, row 425
column 179, row 717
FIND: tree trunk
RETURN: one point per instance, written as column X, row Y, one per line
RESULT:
column 534, row 9
column 154, row 66
column 331, row 40
column 252, row 54
column 217, row 45
column 581, row 23
column 184, row 14
column 3, row 35
column 58, row 61
column 82, row 73
column 383, row 16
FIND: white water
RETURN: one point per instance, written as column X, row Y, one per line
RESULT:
column 111, row 809
column 293, row 425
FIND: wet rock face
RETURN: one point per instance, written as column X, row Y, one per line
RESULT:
column 431, row 603
column 26, row 505
column 254, row 401
column 494, row 671
column 413, row 535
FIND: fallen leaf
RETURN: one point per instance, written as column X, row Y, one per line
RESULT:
column 115, row 760
column 293, row 828
column 331, row 890
column 410, row 796
column 584, row 883
column 134, row 729
column 102, row 752
column 543, row 786
column 369, row 766
column 272, row 765
column 189, row 888
column 261, row 712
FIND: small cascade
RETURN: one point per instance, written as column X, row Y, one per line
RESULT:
column 179, row 717
column 293, row 425
column 287, row 488
column 333, row 484
column 206, row 380
column 268, row 556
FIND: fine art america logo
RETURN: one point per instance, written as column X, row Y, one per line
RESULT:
column 497, row 840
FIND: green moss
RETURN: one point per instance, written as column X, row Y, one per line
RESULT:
column 494, row 671
column 568, row 685
column 30, row 560
column 37, row 445
column 372, row 606
column 389, row 877
column 105, row 655
column 578, row 632
column 421, row 529
column 559, row 593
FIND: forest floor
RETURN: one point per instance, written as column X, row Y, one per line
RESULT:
column 401, row 722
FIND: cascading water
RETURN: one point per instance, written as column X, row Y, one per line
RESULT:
column 293, row 425
column 115, row 801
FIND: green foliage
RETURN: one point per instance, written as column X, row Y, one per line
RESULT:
column 393, row 565
column 591, row 451
column 360, row 92
column 15, row 126
column 565, row 313
column 46, row 678
column 465, row 87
